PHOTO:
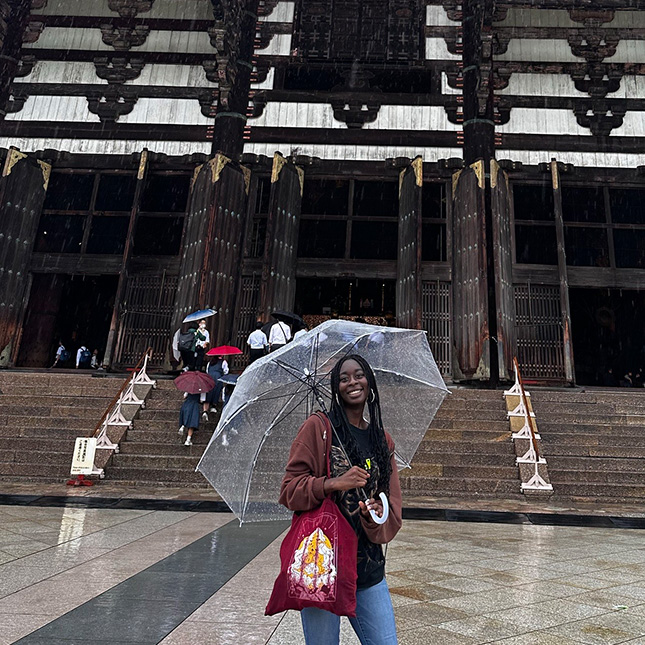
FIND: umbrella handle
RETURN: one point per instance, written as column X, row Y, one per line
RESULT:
column 386, row 510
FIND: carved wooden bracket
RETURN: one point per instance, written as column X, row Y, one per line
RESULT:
column 14, row 103
column 38, row 4
column 208, row 103
column 500, row 42
column 257, row 104
column 601, row 117
column 222, row 72
column 593, row 46
column 260, row 71
column 25, row 66
column 597, row 79
column 453, row 10
column 130, row 8
column 263, row 35
column 354, row 113
column 592, row 17
column 110, row 105
column 124, row 38
column 32, row 32
column 118, row 70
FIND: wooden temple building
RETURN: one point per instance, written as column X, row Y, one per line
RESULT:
column 475, row 168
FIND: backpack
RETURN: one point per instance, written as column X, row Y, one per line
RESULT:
column 85, row 358
column 65, row 355
column 186, row 341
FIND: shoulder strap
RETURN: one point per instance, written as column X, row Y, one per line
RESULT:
column 328, row 430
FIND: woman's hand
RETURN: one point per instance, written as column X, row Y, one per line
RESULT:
column 371, row 505
column 355, row 477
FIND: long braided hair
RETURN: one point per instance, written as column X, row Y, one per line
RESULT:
column 341, row 424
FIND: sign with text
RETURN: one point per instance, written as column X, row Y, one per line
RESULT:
column 83, row 461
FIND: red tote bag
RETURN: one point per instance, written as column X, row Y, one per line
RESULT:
column 318, row 561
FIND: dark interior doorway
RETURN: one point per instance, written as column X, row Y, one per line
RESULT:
column 608, row 329
column 345, row 297
column 74, row 309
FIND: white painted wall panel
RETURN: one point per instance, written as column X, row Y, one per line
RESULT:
column 629, row 51
column 436, row 50
column 437, row 17
column 586, row 159
column 536, row 50
column 631, row 87
column 518, row 17
column 173, row 76
column 542, row 85
column 538, row 121
column 280, row 45
column 54, row 108
column 282, row 13
column 633, row 126
column 412, row 117
column 354, row 152
column 167, row 111
column 184, row 9
column 183, row 42
column 267, row 84
column 297, row 115
column 98, row 147
column 50, row 71
column 76, row 8
column 68, row 38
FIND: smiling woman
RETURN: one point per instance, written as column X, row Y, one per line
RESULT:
column 361, row 466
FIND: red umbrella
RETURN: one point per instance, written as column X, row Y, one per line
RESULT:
column 224, row 350
column 194, row 382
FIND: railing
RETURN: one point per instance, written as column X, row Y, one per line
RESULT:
column 113, row 415
column 528, row 431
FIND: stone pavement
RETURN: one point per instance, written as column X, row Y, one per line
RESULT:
column 92, row 575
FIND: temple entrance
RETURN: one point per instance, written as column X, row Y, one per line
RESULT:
column 608, row 339
column 74, row 309
column 318, row 299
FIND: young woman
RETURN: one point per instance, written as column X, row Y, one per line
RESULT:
column 362, row 466
column 216, row 368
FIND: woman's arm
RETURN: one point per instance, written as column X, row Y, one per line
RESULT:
column 384, row 533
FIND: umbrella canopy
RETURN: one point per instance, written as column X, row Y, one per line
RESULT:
column 224, row 350
column 194, row 382
column 288, row 317
column 198, row 315
column 229, row 379
column 247, row 454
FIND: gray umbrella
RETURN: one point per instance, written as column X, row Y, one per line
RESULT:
column 247, row 454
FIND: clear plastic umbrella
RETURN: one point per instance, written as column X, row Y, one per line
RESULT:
column 246, row 457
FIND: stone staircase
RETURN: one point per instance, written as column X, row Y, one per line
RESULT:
column 152, row 453
column 41, row 414
column 467, row 452
column 594, row 442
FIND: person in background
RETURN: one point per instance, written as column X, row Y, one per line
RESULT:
column 62, row 355
column 189, row 417
column 186, row 346
column 258, row 342
column 202, row 340
column 176, row 354
column 301, row 332
column 216, row 368
column 94, row 361
column 83, row 358
column 279, row 335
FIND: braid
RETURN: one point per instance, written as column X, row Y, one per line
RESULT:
column 375, row 429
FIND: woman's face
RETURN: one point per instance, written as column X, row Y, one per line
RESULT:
column 202, row 324
column 353, row 388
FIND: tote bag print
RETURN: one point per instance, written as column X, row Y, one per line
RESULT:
column 313, row 569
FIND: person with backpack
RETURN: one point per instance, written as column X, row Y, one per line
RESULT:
column 62, row 355
column 186, row 346
column 83, row 358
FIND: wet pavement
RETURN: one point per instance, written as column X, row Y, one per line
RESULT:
column 115, row 575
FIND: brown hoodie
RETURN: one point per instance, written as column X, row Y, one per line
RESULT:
column 306, row 471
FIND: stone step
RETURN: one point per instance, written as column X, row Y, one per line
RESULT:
column 161, row 476
column 481, row 436
column 616, row 492
column 71, row 411
column 474, row 414
column 440, row 486
column 164, row 438
column 36, row 444
column 578, row 476
column 591, row 439
column 606, row 464
column 154, row 428
column 590, row 429
column 575, row 418
column 138, row 448
column 447, row 447
column 50, row 401
column 484, row 425
column 186, row 461
column 44, row 432
column 80, row 425
column 474, row 471
column 469, row 459
column 574, row 450
column 38, row 458
column 56, row 471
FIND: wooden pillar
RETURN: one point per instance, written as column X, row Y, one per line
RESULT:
column 234, row 37
column 408, row 268
column 127, row 259
column 213, row 249
column 471, row 335
column 565, row 306
column 278, row 286
column 22, row 191
column 503, row 270
column 15, row 15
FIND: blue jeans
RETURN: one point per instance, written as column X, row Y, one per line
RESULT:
column 374, row 622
